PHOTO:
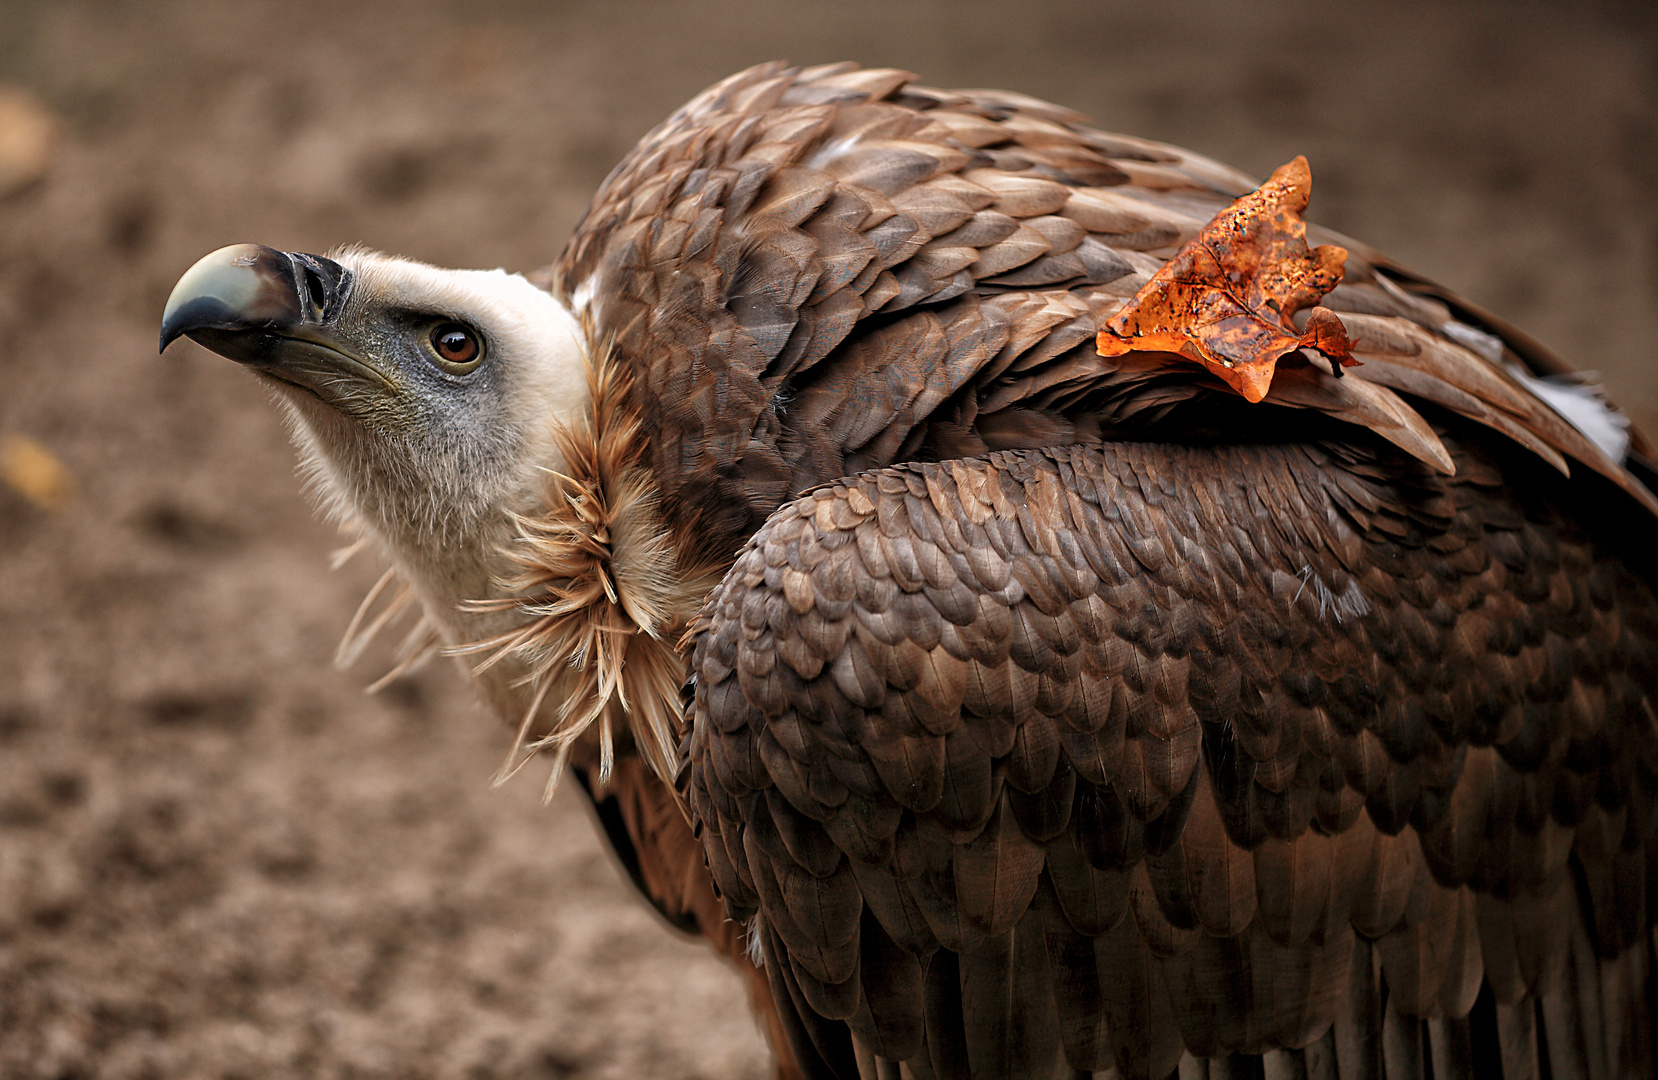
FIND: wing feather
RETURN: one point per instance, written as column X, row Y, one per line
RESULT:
column 1094, row 821
column 1081, row 740
column 738, row 258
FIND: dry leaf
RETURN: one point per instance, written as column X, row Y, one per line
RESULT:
column 1226, row 299
column 34, row 472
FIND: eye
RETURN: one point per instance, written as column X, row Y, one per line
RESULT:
column 457, row 346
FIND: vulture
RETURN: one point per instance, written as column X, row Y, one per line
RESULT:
column 1001, row 708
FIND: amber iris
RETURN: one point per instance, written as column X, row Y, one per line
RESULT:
column 455, row 344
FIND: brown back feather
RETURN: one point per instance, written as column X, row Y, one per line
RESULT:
column 813, row 271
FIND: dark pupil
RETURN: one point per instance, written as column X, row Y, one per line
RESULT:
column 456, row 344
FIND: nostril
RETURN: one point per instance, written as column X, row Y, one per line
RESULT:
column 315, row 294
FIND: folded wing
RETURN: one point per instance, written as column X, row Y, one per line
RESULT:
column 1096, row 756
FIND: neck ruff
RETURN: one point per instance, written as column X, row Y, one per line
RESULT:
column 596, row 575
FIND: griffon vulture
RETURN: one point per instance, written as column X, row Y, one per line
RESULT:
column 1003, row 709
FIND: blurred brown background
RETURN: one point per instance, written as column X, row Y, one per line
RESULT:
column 217, row 857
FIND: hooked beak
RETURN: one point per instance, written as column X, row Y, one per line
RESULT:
column 248, row 301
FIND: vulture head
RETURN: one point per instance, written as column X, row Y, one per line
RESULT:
column 432, row 408
column 419, row 396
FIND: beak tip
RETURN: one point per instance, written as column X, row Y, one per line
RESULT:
column 170, row 330
column 188, row 313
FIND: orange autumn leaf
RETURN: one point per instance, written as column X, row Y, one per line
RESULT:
column 1226, row 299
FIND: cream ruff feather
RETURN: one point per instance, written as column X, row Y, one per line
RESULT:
column 597, row 576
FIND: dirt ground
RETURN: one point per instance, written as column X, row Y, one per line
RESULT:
column 218, row 858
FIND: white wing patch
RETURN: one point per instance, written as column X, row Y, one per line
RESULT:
column 1577, row 398
column 1582, row 403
